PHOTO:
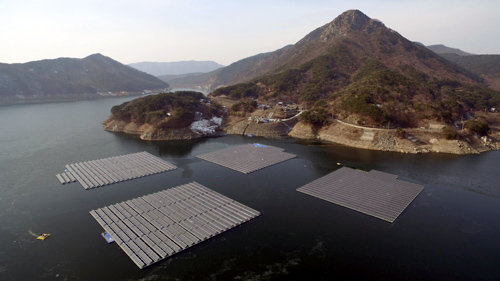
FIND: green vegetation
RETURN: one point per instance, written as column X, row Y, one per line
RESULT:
column 478, row 127
column 451, row 133
column 323, row 77
column 167, row 110
column 411, row 95
column 317, row 116
column 239, row 91
column 362, row 104
column 481, row 64
column 399, row 96
column 313, row 80
column 248, row 105
column 285, row 81
column 38, row 80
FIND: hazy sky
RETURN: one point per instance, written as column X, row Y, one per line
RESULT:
column 223, row 31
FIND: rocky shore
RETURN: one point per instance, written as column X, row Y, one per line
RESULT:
column 268, row 130
column 417, row 140
column 414, row 141
column 148, row 132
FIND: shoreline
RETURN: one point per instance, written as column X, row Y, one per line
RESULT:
column 416, row 140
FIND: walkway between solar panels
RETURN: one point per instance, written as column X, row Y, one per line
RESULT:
column 248, row 158
column 100, row 172
column 375, row 193
column 155, row 226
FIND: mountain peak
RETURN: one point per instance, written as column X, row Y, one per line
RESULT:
column 353, row 17
column 97, row 56
column 348, row 21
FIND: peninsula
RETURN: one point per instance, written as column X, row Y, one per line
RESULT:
column 167, row 116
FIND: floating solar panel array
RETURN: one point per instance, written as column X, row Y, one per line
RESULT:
column 66, row 177
column 374, row 193
column 100, row 172
column 248, row 158
column 155, row 226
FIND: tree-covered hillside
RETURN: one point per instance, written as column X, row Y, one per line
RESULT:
column 363, row 70
column 166, row 110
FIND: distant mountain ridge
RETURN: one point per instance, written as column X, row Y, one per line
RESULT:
column 71, row 78
column 176, row 67
column 442, row 49
column 486, row 66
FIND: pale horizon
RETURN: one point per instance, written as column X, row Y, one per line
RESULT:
column 222, row 31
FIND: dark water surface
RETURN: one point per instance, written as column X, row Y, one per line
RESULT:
column 450, row 232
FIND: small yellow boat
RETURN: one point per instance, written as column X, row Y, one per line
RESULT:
column 43, row 236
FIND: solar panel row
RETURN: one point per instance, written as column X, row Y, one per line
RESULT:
column 155, row 226
column 374, row 193
column 100, row 172
column 247, row 158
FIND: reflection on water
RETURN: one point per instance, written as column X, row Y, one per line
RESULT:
column 450, row 232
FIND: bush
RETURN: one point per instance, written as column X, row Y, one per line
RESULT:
column 451, row 133
column 244, row 106
column 320, row 103
column 317, row 116
column 155, row 116
column 286, row 80
column 477, row 127
column 239, row 91
column 363, row 104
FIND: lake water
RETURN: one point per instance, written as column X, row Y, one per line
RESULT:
column 450, row 232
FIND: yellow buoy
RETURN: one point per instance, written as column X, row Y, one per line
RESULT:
column 338, row 163
column 43, row 236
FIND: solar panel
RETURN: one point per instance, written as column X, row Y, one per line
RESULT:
column 375, row 193
column 248, row 158
column 155, row 226
column 100, row 172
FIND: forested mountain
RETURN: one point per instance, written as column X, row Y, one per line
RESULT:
column 65, row 78
column 487, row 66
column 357, row 67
